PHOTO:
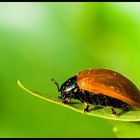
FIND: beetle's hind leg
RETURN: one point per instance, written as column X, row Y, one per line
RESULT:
column 108, row 104
column 126, row 107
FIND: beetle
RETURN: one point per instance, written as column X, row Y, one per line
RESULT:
column 100, row 87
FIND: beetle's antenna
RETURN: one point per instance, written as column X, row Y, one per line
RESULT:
column 56, row 84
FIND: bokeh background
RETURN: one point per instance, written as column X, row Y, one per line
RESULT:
column 40, row 41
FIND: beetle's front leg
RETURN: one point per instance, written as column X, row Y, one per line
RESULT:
column 66, row 101
column 86, row 107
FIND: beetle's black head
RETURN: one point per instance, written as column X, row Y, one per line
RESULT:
column 68, row 89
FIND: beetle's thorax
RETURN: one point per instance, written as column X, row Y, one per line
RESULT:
column 69, row 89
column 68, row 85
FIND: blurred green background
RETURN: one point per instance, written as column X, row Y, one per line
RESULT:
column 40, row 41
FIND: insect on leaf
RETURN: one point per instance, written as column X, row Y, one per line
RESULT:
column 94, row 110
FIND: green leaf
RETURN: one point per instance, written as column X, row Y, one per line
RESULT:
column 94, row 110
column 127, row 130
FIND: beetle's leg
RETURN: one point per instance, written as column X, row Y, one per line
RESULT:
column 126, row 107
column 107, row 104
column 87, row 106
column 84, row 99
column 66, row 101
column 113, row 111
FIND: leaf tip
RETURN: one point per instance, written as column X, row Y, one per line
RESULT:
column 18, row 82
